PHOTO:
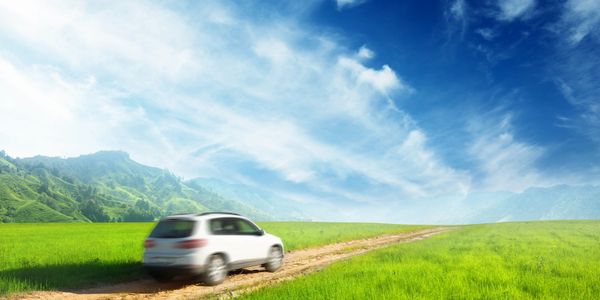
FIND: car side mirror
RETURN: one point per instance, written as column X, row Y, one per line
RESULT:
column 260, row 232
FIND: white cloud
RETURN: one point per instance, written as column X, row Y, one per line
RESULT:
column 458, row 9
column 576, row 66
column 274, row 50
column 210, row 94
column 513, row 9
column 457, row 20
column 581, row 18
column 45, row 113
column 383, row 80
column 417, row 158
column 365, row 53
column 85, row 36
column 487, row 33
column 341, row 4
column 505, row 163
column 580, row 89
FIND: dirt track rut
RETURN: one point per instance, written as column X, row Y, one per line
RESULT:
column 296, row 263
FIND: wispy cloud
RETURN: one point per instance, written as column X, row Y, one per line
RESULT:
column 457, row 19
column 243, row 91
column 504, row 162
column 341, row 4
column 577, row 83
column 576, row 65
column 213, row 91
column 580, row 19
column 49, row 113
column 458, row 9
column 487, row 33
column 514, row 9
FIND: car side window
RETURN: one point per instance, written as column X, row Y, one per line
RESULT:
column 247, row 228
column 232, row 226
column 223, row 226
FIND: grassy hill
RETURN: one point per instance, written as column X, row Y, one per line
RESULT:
column 100, row 187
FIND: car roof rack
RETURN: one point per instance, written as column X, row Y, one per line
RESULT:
column 217, row 212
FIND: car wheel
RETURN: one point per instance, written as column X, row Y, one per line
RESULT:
column 216, row 270
column 275, row 259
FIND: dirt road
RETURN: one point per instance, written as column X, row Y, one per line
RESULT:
column 296, row 264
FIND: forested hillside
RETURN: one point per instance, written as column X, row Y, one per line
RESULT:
column 101, row 187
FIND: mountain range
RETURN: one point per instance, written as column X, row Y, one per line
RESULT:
column 560, row 202
column 110, row 186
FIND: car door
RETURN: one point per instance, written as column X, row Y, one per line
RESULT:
column 223, row 238
column 251, row 239
column 238, row 238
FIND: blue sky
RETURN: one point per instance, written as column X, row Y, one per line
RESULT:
column 353, row 107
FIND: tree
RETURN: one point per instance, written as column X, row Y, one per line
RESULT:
column 142, row 205
column 91, row 210
column 68, row 179
column 136, row 215
column 44, row 188
column 142, row 211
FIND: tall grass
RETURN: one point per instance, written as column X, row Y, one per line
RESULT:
column 59, row 256
column 45, row 256
column 538, row 260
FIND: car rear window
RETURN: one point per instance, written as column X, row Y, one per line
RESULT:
column 173, row 229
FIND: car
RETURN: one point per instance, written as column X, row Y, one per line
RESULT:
column 208, row 245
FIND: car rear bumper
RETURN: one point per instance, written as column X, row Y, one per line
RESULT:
column 174, row 270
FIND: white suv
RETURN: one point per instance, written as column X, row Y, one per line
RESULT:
column 209, row 244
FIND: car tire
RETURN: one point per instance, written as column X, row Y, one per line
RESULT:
column 216, row 270
column 275, row 259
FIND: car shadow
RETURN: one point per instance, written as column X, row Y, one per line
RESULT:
column 64, row 276
column 245, row 271
column 94, row 278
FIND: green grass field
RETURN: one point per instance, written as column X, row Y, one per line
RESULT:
column 55, row 256
column 537, row 260
column 298, row 235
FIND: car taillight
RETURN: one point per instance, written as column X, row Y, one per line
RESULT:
column 148, row 244
column 190, row 244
